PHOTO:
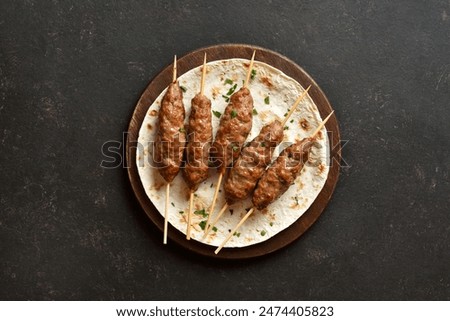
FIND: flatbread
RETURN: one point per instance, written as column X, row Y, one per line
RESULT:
column 273, row 94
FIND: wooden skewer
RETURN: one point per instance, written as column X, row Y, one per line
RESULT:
column 202, row 83
column 191, row 205
column 191, row 196
column 208, row 228
column 174, row 69
column 321, row 125
column 249, row 71
column 166, row 213
column 235, row 229
column 213, row 204
column 299, row 99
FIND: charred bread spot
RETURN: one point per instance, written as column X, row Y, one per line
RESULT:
column 305, row 124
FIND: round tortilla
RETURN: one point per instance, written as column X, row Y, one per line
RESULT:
column 273, row 94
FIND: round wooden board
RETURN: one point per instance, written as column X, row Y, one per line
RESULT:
column 291, row 69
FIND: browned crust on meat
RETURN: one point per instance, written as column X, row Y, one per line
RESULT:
column 235, row 125
column 199, row 141
column 282, row 173
column 252, row 162
column 171, row 138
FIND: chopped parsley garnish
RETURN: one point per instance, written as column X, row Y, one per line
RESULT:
column 291, row 121
column 233, row 113
column 183, row 88
column 211, row 186
column 237, row 234
column 201, row 212
column 195, row 194
column 267, row 100
column 181, row 212
column 255, row 112
column 235, row 148
column 172, row 204
column 202, row 224
column 231, row 90
column 253, row 74
column 214, row 229
column 182, row 130
column 286, row 127
column 263, row 144
column 228, row 81
column 296, row 200
column 271, row 223
column 217, row 113
column 227, row 99
column 285, row 114
column 263, row 233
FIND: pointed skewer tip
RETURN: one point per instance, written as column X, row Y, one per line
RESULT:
column 294, row 107
column 250, row 68
column 235, row 229
column 174, row 69
column 202, row 81
column 321, row 125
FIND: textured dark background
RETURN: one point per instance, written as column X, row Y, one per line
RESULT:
column 70, row 75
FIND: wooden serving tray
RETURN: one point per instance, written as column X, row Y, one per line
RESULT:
column 227, row 51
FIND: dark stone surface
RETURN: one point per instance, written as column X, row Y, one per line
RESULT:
column 70, row 75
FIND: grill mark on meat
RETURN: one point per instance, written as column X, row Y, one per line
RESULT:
column 252, row 162
column 235, row 125
column 199, row 141
column 282, row 173
column 171, row 140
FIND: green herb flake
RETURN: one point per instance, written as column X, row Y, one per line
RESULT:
column 227, row 99
column 286, row 127
column 202, row 224
column 172, row 204
column 235, row 148
column 228, row 81
column 182, row 130
column 195, row 194
column 267, row 100
column 231, row 90
column 296, row 200
column 253, row 74
column 271, row 223
column 214, row 229
column 181, row 212
column 291, row 121
column 285, row 114
column 201, row 212
column 237, row 234
column 217, row 113
column 233, row 114
column 263, row 233
column 184, row 89
column 263, row 144
column 255, row 112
